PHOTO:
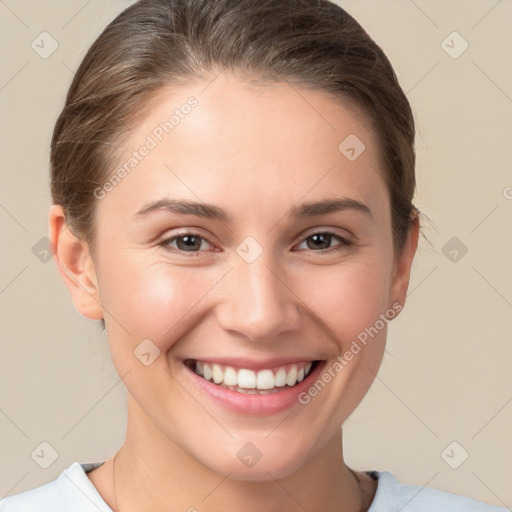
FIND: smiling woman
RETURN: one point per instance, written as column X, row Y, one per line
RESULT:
column 237, row 179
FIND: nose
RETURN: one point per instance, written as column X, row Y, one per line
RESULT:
column 257, row 301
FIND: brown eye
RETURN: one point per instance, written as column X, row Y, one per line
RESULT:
column 185, row 242
column 321, row 241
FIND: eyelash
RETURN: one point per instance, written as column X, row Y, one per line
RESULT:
column 346, row 244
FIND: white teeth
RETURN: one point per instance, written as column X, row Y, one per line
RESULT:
column 230, row 376
column 280, row 378
column 207, row 372
column 251, row 382
column 291, row 377
column 218, row 374
column 246, row 379
column 265, row 379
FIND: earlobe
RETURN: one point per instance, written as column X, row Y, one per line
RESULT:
column 75, row 265
column 402, row 267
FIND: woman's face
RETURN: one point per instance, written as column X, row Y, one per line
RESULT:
column 260, row 287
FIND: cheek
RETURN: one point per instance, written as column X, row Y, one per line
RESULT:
column 160, row 302
column 348, row 297
column 163, row 302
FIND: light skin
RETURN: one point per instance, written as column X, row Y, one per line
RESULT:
column 256, row 153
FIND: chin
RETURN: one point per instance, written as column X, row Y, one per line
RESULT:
column 269, row 466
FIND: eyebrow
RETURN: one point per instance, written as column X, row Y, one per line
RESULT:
column 209, row 211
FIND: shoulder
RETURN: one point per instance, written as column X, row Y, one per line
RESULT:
column 71, row 490
column 391, row 495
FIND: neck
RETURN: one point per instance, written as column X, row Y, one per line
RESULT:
column 153, row 473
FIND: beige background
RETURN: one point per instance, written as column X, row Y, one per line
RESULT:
column 446, row 374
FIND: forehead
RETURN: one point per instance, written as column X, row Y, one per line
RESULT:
column 224, row 140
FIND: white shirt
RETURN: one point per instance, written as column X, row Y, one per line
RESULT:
column 72, row 491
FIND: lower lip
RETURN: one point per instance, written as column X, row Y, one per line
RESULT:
column 256, row 405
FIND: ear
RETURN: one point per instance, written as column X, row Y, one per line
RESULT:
column 402, row 265
column 75, row 265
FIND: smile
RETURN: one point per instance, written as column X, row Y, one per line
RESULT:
column 245, row 380
column 252, row 387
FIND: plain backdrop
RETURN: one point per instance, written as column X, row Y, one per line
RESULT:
column 440, row 411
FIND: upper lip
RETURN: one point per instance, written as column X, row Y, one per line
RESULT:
column 253, row 364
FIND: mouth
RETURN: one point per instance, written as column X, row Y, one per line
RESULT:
column 248, row 381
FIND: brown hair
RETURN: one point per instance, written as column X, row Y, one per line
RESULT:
column 154, row 43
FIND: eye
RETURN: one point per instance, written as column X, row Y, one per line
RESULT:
column 186, row 242
column 321, row 240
